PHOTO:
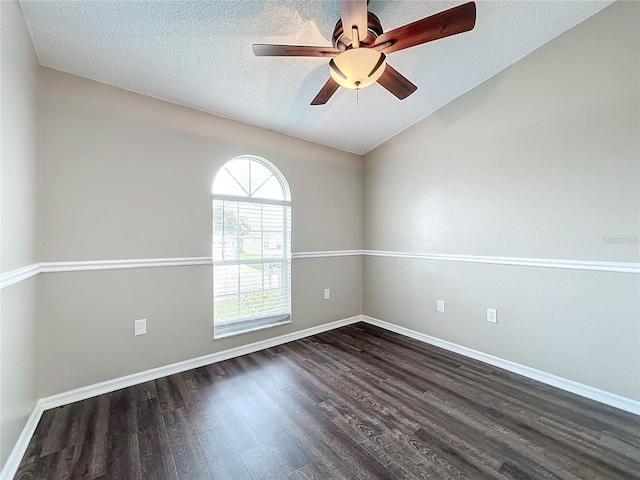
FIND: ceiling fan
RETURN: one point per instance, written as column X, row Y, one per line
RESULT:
column 359, row 51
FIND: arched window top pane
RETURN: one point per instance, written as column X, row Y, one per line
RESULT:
column 225, row 184
column 251, row 177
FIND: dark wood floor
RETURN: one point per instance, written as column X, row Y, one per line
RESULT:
column 357, row 402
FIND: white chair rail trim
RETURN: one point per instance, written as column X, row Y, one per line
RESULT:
column 12, row 277
column 591, row 265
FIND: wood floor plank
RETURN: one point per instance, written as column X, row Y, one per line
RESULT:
column 64, row 466
column 308, row 472
column 274, row 373
column 168, row 394
column 221, row 456
column 145, row 391
column 390, row 448
column 34, row 449
column 122, row 412
column 362, row 462
column 57, row 436
column 306, row 434
column 123, row 457
column 171, row 472
column 284, row 450
column 201, row 409
column 355, row 402
column 55, row 465
column 82, row 435
column 611, row 441
column 262, row 465
column 240, row 431
column 156, row 458
column 96, row 439
column 348, row 389
column 403, row 462
column 185, row 446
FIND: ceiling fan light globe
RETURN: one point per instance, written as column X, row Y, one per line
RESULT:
column 357, row 67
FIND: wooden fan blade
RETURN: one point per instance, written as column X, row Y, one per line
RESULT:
column 450, row 22
column 325, row 93
column 396, row 83
column 354, row 13
column 269, row 50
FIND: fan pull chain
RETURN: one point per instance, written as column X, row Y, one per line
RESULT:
column 357, row 84
column 357, row 96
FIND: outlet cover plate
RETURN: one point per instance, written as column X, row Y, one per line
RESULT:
column 492, row 315
column 327, row 293
column 441, row 306
column 140, row 327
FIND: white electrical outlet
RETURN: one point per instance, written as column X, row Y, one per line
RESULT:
column 140, row 327
column 327, row 293
column 492, row 315
column 441, row 306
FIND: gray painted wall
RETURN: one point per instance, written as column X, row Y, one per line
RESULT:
column 127, row 176
column 540, row 161
column 18, row 234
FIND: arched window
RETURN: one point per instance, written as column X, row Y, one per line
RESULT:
column 251, row 247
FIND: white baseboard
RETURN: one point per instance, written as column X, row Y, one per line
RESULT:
column 598, row 395
column 15, row 457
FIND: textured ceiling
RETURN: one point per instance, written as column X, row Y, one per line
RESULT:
column 198, row 54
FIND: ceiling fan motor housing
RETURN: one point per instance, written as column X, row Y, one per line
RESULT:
column 342, row 42
column 357, row 67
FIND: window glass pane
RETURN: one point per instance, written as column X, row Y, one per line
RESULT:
column 217, row 231
column 226, row 279
column 259, row 174
column 273, row 217
column 251, row 247
column 239, row 170
column 273, row 230
column 271, row 190
column 230, row 249
column 225, row 184
column 273, row 275
column 217, row 249
column 251, row 217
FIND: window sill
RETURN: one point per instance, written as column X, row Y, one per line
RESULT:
column 238, row 328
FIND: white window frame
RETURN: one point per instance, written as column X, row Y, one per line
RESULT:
column 239, row 325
